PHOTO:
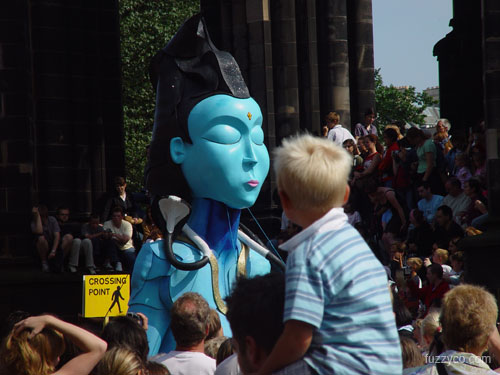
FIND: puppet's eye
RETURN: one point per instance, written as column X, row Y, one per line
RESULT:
column 257, row 135
column 223, row 134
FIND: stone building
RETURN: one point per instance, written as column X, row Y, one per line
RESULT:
column 301, row 59
column 61, row 133
column 469, row 82
column 60, row 107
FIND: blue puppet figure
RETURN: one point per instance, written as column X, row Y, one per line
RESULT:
column 207, row 148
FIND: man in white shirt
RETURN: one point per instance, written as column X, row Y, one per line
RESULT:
column 189, row 323
column 121, row 234
column 337, row 132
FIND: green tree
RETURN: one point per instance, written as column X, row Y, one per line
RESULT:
column 145, row 27
column 395, row 104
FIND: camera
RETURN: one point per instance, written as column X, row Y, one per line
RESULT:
column 136, row 317
column 107, row 230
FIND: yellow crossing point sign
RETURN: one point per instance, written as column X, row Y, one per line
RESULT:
column 105, row 295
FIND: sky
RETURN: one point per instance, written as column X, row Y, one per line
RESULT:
column 404, row 35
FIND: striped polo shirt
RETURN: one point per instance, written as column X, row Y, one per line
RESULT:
column 336, row 284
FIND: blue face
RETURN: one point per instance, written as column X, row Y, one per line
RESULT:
column 227, row 160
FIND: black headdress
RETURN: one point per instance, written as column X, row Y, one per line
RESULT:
column 189, row 69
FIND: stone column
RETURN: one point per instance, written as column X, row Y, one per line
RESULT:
column 479, row 249
column 307, row 59
column 460, row 75
column 17, row 136
column 286, row 88
column 491, row 78
column 361, row 63
column 333, row 59
column 217, row 14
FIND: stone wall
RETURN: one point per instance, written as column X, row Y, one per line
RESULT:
column 61, row 133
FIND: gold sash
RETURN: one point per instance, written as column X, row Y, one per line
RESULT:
column 214, row 265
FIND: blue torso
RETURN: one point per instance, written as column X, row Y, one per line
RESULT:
column 156, row 284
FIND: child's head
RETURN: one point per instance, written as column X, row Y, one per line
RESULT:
column 332, row 119
column 440, row 256
column 411, row 354
column 156, row 368
column 94, row 221
column 312, row 172
column 415, row 263
column 457, row 261
column 350, row 146
column 429, row 326
column 398, row 247
column 121, row 361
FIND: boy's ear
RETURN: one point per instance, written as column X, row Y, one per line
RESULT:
column 286, row 203
column 347, row 193
column 177, row 150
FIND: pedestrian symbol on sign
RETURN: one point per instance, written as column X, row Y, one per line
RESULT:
column 116, row 300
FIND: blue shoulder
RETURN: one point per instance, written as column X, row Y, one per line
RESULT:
column 257, row 264
column 152, row 263
column 186, row 253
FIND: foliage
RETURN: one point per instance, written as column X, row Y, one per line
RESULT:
column 399, row 105
column 145, row 27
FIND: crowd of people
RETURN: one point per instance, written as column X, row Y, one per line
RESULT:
column 426, row 190
column 347, row 201
column 108, row 242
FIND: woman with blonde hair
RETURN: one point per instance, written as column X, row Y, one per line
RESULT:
column 429, row 327
column 121, row 361
column 35, row 345
column 441, row 135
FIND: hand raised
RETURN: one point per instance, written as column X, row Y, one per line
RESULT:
column 34, row 323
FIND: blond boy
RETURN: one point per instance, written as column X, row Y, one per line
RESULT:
column 338, row 314
column 440, row 256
